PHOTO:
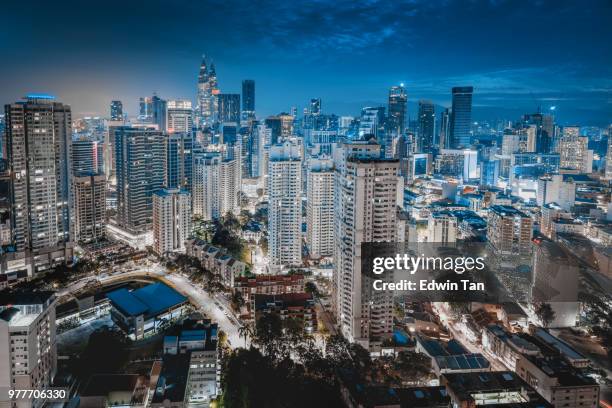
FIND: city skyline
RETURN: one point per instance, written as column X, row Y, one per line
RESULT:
column 538, row 54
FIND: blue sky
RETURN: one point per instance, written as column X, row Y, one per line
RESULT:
column 516, row 54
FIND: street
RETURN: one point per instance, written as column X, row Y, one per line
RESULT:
column 215, row 309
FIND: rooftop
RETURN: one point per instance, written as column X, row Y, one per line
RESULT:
column 149, row 300
column 172, row 379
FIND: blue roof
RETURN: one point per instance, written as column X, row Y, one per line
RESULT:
column 150, row 300
column 193, row 335
column 127, row 302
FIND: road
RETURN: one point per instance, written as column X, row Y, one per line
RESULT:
column 214, row 308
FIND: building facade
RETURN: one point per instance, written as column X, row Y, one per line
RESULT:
column 89, row 203
column 285, row 206
column 171, row 220
column 320, row 208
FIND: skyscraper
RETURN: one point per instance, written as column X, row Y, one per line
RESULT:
column 285, row 206
column 139, row 164
column 574, row 152
column 216, row 186
column 145, row 110
column 116, row 111
column 427, row 120
column 180, row 116
column 365, row 211
column 248, row 99
column 38, row 151
column 159, row 107
column 178, row 161
column 207, row 88
column 315, row 106
column 444, row 131
column 257, row 148
column 230, row 182
column 228, row 108
column 398, row 100
column 461, row 117
column 87, row 156
column 545, row 131
column 171, row 220
column 206, row 185
column 89, row 205
column 509, row 230
column 275, row 125
column 608, row 169
column 320, row 208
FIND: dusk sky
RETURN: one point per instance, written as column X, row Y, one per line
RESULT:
column 516, row 54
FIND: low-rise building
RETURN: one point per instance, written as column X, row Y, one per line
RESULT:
column 507, row 347
column 558, row 382
column 297, row 306
column 216, row 260
column 493, row 389
column 144, row 311
column 268, row 285
column 199, row 340
column 451, row 356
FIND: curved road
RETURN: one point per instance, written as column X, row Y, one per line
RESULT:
column 212, row 307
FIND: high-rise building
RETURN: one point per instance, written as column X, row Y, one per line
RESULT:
column 461, row 117
column 248, row 99
column 178, row 161
column 228, row 108
column 320, row 208
column 160, row 112
column 28, row 344
column 286, row 124
column 256, row 150
column 574, row 153
column 554, row 189
column 216, row 186
column 545, row 131
column 427, row 120
column 180, row 116
column 206, row 185
column 315, row 106
column 171, row 220
column 608, row 169
column 442, row 228
column 285, row 206
column 207, row 90
column 87, row 156
column 116, row 111
column 398, row 100
column 365, row 211
column 89, row 206
column 509, row 230
column 444, row 139
column 139, row 163
column 372, row 122
column 145, row 110
column 230, row 182
column 274, row 124
column 38, row 151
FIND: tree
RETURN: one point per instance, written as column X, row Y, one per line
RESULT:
column 311, row 287
column 106, row 352
column 545, row 313
column 237, row 301
column 245, row 331
column 413, row 366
